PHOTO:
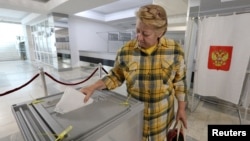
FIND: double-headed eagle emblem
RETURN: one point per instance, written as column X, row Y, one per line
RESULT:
column 219, row 57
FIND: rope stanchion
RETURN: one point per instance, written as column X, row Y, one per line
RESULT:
column 104, row 70
column 43, row 81
column 100, row 70
column 71, row 83
column 10, row 91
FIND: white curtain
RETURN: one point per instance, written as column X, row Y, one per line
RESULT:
column 189, row 48
column 233, row 30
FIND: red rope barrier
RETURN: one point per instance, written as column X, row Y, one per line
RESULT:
column 104, row 70
column 71, row 83
column 10, row 91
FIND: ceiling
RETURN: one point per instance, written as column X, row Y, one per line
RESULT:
column 115, row 12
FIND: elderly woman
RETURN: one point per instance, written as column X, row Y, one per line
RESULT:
column 154, row 71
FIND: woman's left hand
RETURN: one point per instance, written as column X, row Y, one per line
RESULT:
column 181, row 113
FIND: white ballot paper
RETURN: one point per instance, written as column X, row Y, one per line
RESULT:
column 71, row 99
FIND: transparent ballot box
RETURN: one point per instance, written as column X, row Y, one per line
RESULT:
column 106, row 119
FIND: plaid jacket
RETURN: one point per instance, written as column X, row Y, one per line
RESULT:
column 155, row 79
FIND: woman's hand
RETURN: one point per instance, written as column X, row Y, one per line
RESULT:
column 181, row 113
column 87, row 91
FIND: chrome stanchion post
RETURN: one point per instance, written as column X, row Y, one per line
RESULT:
column 43, row 81
column 100, row 70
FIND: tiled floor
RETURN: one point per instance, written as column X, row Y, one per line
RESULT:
column 14, row 74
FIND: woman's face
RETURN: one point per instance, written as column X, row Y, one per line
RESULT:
column 146, row 35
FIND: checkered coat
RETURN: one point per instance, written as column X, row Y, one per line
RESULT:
column 155, row 79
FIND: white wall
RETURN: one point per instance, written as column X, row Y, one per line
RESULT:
column 9, row 44
column 83, row 35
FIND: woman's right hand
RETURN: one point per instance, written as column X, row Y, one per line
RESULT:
column 87, row 91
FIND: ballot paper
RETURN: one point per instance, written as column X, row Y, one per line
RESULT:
column 71, row 99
